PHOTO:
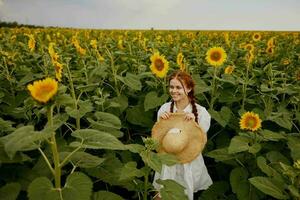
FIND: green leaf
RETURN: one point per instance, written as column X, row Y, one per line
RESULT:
column 267, row 185
column 6, row 126
column 78, row 187
column 238, row 144
column 271, row 136
column 167, row 159
column 94, row 139
column 152, row 160
column 82, row 159
column 131, row 80
column 294, row 146
column 42, row 188
column 138, row 116
column 10, row 191
column 135, row 148
column 239, row 183
column 294, row 191
column 171, row 190
column 129, row 171
column 255, row 148
column 152, row 100
column 222, row 117
column 282, row 119
column 84, row 108
column 105, row 195
column 262, row 164
column 276, row 157
column 18, row 158
column 220, row 154
column 107, row 122
column 23, row 139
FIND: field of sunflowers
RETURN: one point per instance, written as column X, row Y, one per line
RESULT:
column 77, row 107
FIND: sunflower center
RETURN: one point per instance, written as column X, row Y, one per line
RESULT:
column 251, row 123
column 215, row 56
column 159, row 65
column 256, row 36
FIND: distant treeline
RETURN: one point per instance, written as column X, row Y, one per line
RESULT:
column 16, row 24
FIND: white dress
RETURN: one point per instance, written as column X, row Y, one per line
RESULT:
column 193, row 176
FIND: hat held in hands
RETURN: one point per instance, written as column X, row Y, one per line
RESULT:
column 185, row 139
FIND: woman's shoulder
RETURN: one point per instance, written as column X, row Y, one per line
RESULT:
column 201, row 109
column 165, row 106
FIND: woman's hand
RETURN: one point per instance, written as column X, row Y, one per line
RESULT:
column 165, row 115
column 189, row 116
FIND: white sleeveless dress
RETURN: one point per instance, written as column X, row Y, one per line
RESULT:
column 193, row 176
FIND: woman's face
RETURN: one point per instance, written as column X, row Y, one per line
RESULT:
column 177, row 90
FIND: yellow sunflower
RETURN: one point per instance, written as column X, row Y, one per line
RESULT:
column 229, row 69
column 58, row 70
column 180, row 61
column 159, row 65
column 250, row 121
column 43, row 90
column 256, row 37
column 216, row 56
column 270, row 50
column 249, row 47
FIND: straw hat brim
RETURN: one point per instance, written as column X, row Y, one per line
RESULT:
column 196, row 136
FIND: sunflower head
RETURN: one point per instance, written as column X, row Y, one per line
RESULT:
column 229, row 69
column 58, row 70
column 216, row 56
column 256, row 37
column 159, row 65
column 250, row 121
column 43, row 90
column 249, row 47
column 270, row 50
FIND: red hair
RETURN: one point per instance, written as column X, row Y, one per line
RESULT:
column 186, row 80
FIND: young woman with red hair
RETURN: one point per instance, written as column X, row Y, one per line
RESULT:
column 193, row 175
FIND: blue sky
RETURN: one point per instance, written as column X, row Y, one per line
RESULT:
column 157, row 14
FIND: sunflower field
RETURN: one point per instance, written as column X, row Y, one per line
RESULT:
column 77, row 107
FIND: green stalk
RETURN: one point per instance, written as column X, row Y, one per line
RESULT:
column 73, row 96
column 57, row 168
column 213, row 90
column 114, row 71
column 245, row 87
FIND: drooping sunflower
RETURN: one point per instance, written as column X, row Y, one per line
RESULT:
column 256, row 37
column 58, row 70
column 180, row 61
column 43, row 90
column 229, row 69
column 270, row 50
column 250, row 121
column 249, row 47
column 159, row 65
column 216, row 56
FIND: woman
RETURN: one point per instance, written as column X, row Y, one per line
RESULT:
column 193, row 175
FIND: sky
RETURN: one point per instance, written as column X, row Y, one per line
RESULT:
column 157, row 14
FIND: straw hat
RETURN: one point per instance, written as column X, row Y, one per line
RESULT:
column 184, row 139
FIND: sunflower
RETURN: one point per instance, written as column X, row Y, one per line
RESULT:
column 216, row 56
column 43, row 90
column 250, row 57
column 93, row 43
column 256, row 37
column 271, row 42
column 180, row 61
column 249, row 47
column 159, row 65
column 31, row 42
column 250, row 121
column 270, row 50
column 229, row 69
column 58, row 70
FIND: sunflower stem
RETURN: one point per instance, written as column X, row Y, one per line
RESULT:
column 213, row 90
column 73, row 96
column 245, row 83
column 114, row 71
column 57, row 168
